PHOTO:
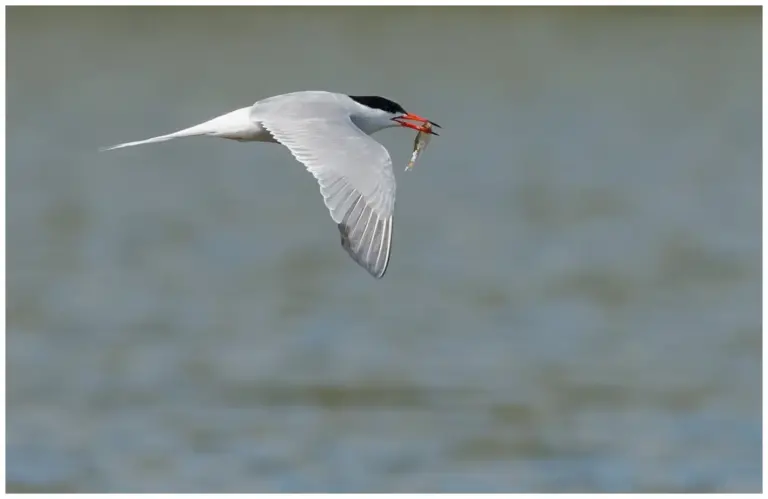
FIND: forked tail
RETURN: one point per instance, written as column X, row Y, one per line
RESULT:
column 222, row 126
column 161, row 138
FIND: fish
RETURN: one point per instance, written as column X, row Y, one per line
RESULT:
column 419, row 144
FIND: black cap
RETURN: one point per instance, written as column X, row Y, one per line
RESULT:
column 376, row 102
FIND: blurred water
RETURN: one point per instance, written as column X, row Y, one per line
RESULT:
column 573, row 301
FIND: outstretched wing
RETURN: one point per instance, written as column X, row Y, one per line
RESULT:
column 353, row 170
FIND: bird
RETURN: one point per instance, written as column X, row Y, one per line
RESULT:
column 330, row 133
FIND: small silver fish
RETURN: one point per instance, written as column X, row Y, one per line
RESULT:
column 419, row 144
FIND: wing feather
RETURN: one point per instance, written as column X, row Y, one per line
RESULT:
column 354, row 173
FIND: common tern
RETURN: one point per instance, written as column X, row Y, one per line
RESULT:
column 330, row 134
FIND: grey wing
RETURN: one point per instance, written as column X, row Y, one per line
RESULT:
column 355, row 177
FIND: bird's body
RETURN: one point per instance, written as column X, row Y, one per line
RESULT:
column 330, row 134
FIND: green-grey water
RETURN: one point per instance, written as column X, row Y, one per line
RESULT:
column 573, row 301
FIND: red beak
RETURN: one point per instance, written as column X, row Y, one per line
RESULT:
column 422, row 124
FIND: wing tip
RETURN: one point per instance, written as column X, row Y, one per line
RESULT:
column 373, row 267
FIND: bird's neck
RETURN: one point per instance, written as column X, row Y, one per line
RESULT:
column 371, row 125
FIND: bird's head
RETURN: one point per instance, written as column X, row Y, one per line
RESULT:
column 388, row 113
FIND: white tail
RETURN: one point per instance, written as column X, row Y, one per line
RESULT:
column 229, row 125
column 162, row 138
